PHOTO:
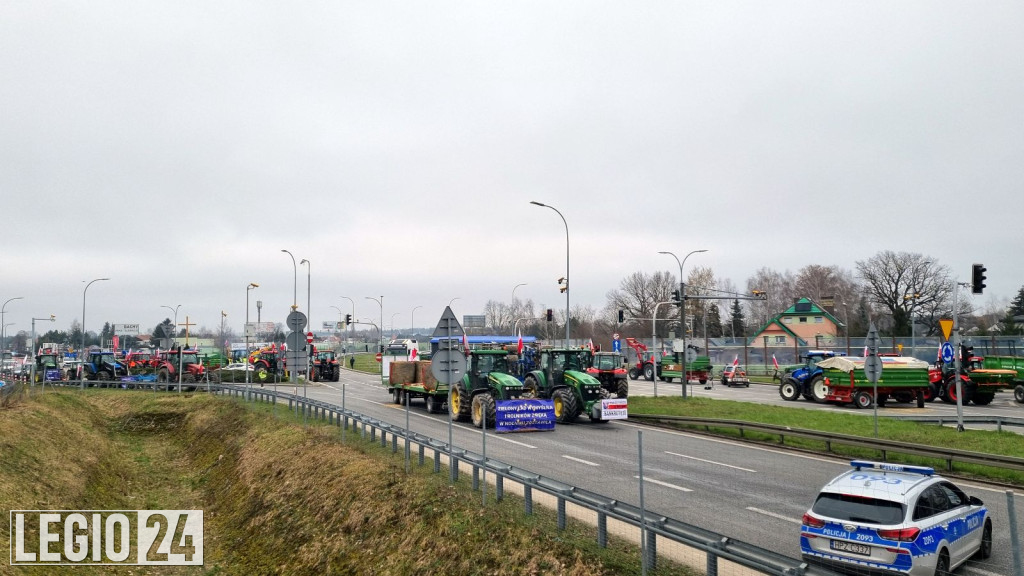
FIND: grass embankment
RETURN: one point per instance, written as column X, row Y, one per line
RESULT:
column 277, row 498
column 982, row 441
column 366, row 363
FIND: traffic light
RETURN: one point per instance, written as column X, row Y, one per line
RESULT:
column 977, row 278
column 675, row 295
column 550, row 315
column 622, row 316
column 348, row 319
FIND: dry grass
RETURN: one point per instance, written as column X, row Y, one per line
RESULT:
column 277, row 499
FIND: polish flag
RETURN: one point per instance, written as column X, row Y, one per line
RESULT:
column 775, row 362
column 591, row 344
column 519, row 347
column 412, row 354
column 866, row 351
column 465, row 342
column 736, row 362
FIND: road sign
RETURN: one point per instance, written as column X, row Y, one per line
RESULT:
column 615, row 336
column 250, row 330
column 448, row 366
column 379, row 357
column 126, row 329
column 873, row 368
column 296, row 321
column 309, row 337
column 947, row 352
column 448, row 325
column 616, row 345
column 947, row 327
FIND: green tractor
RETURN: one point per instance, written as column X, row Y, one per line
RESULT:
column 486, row 381
column 562, row 377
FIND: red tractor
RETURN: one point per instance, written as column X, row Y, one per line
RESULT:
column 645, row 361
column 610, row 369
column 167, row 363
column 268, row 364
column 325, row 366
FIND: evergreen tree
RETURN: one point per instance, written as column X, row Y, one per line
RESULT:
column 714, row 322
column 1016, row 309
column 738, row 321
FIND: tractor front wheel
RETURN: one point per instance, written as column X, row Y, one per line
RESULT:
column 531, row 388
column 789, row 390
column 634, row 373
column 566, row 407
column 484, row 411
column 649, row 372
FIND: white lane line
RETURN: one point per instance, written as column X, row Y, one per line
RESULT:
column 974, row 570
column 710, row 461
column 774, row 515
column 665, row 484
column 580, row 460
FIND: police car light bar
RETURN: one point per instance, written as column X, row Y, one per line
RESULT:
column 889, row 467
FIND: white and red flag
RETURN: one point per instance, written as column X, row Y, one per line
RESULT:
column 519, row 347
column 775, row 362
column 465, row 343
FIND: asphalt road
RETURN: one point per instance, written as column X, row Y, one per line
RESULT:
column 752, row 493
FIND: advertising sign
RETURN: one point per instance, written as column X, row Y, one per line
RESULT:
column 527, row 415
column 126, row 329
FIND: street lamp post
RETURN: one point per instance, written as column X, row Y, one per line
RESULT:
column 82, row 353
column 393, row 320
column 380, row 329
column 412, row 320
column 515, row 310
column 566, row 266
column 352, row 328
column 295, row 281
column 32, row 349
column 682, row 310
column 309, row 326
column 3, row 327
column 913, row 303
column 174, row 328
column 249, row 287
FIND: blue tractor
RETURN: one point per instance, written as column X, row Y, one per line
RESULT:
column 102, row 367
column 807, row 380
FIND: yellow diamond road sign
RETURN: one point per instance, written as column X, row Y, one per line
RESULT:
column 947, row 327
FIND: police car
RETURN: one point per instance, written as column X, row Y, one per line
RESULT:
column 894, row 519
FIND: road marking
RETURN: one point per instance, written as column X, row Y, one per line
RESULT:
column 774, row 515
column 974, row 570
column 710, row 461
column 665, row 484
column 580, row 460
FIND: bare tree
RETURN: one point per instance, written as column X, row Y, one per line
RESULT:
column 779, row 288
column 701, row 282
column 819, row 282
column 636, row 297
column 900, row 281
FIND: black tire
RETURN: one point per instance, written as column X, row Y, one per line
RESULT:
column 459, row 403
column 434, row 404
column 863, row 399
column 951, row 392
column 703, row 380
column 942, row 564
column 649, row 372
column 396, row 395
column 920, row 398
column 566, row 407
column 817, row 389
column 634, row 373
column 931, row 393
column 337, row 374
column 531, row 387
column 1018, row 393
column 985, row 550
column 789, row 390
column 983, row 399
column 483, row 405
column 725, row 382
column 623, row 389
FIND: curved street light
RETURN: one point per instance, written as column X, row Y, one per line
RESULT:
column 309, row 309
column 295, row 281
column 84, row 292
column 566, row 266
column 174, row 328
column 412, row 320
column 380, row 329
column 682, row 309
column 3, row 327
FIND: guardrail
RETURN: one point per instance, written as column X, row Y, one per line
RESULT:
column 715, row 546
column 949, row 455
column 999, row 421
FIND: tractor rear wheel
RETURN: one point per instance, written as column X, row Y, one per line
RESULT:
column 951, row 392
column 484, row 410
column 566, row 407
column 1018, row 393
column 634, row 373
column 623, row 391
column 396, row 395
column 459, row 403
column 433, row 404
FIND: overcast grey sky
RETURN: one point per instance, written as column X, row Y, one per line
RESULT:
column 176, row 147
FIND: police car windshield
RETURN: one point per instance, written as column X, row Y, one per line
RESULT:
column 859, row 509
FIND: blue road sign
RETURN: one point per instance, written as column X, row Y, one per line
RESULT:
column 947, row 352
column 616, row 345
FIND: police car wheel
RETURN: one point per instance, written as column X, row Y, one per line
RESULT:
column 985, row 550
column 942, row 564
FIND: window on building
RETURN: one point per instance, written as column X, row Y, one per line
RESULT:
column 780, row 339
column 787, row 320
column 818, row 319
column 803, row 319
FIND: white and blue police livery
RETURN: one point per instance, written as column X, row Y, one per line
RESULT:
column 882, row 518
